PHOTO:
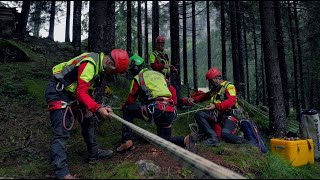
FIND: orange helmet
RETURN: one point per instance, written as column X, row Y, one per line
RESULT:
column 160, row 39
column 213, row 73
column 121, row 60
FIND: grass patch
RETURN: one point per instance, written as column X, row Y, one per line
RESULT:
column 36, row 88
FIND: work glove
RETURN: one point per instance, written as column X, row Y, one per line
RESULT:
column 188, row 101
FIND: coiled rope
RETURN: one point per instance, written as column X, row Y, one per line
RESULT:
column 201, row 166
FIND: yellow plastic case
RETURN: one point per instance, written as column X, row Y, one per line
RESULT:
column 296, row 152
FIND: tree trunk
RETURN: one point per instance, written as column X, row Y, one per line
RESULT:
column 208, row 37
column 300, row 62
column 76, row 28
column 67, row 34
column 155, row 22
column 234, row 44
column 295, row 64
column 101, row 35
column 36, row 19
column 194, row 53
column 184, row 44
column 281, row 55
column 146, row 56
column 223, row 41
column 242, row 84
column 277, row 117
column 23, row 19
column 246, row 59
column 129, row 36
column 139, row 30
column 263, row 76
column 175, row 45
column 52, row 17
column 255, row 60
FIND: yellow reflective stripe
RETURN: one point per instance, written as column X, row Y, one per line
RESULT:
column 152, row 58
column 231, row 89
column 88, row 72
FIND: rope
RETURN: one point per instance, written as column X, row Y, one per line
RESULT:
column 255, row 109
column 199, row 109
column 68, row 108
column 203, row 167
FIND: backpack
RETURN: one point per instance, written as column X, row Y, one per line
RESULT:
column 310, row 128
column 250, row 131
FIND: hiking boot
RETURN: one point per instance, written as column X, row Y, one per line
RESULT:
column 190, row 143
column 125, row 146
column 69, row 176
column 211, row 142
column 101, row 154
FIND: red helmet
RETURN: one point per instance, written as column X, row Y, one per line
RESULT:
column 121, row 60
column 160, row 39
column 212, row 73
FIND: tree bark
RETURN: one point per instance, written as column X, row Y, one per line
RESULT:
column 129, row 34
column 234, row 44
column 175, row 45
column 146, row 56
column 223, row 41
column 208, row 37
column 300, row 62
column 246, row 59
column 76, row 29
column 194, row 53
column 281, row 55
column 23, row 19
column 139, row 26
column 52, row 17
column 296, row 73
column 255, row 60
column 242, row 84
column 277, row 117
column 184, row 44
column 67, row 34
column 155, row 22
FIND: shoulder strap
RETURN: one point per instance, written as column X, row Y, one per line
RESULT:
column 143, row 85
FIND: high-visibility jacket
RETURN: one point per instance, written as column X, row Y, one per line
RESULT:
column 224, row 98
column 157, row 61
column 148, row 85
column 79, row 74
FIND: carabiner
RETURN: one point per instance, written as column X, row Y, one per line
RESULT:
column 57, row 87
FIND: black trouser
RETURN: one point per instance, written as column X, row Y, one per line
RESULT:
column 206, row 118
column 58, row 152
column 162, row 119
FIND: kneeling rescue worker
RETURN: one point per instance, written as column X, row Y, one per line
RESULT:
column 156, row 105
column 219, row 119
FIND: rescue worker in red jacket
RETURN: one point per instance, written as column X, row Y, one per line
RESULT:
column 159, row 61
column 219, row 114
column 157, row 104
column 73, row 83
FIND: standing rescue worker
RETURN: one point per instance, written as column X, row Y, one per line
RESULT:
column 159, row 61
column 71, row 89
column 156, row 105
column 219, row 114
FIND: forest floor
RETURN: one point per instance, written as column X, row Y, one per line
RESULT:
column 25, row 132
